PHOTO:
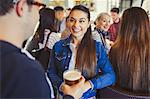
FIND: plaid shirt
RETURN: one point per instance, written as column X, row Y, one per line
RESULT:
column 113, row 30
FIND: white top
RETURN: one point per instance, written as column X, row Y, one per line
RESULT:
column 73, row 57
column 53, row 38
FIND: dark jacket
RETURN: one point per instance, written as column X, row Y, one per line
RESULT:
column 20, row 75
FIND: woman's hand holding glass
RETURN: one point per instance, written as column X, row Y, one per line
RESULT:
column 75, row 90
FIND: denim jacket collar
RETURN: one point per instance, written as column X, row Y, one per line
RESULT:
column 67, row 41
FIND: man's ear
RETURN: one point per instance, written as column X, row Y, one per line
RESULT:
column 19, row 7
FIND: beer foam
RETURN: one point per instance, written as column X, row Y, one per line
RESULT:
column 72, row 75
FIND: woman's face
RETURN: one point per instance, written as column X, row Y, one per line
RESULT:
column 78, row 23
column 103, row 23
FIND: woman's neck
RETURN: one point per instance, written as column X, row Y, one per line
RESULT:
column 75, row 41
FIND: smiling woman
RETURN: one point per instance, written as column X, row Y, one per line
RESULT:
column 80, row 51
column 78, row 24
column 103, row 22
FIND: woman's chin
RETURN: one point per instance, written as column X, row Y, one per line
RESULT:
column 78, row 37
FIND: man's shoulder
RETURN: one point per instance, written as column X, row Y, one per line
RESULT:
column 11, row 56
column 27, row 76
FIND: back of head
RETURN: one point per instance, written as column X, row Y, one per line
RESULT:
column 7, row 5
column 12, row 13
column 135, row 26
column 132, row 50
column 47, row 17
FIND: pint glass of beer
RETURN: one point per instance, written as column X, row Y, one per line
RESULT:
column 72, row 77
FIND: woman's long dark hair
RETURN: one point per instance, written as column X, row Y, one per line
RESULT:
column 47, row 17
column 130, row 54
column 86, row 53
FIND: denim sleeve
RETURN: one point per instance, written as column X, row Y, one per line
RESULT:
column 52, row 70
column 108, row 76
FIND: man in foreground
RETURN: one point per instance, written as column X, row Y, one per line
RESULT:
column 21, row 76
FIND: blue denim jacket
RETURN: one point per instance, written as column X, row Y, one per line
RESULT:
column 59, row 62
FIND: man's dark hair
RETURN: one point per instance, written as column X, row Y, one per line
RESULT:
column 115, row 9
column 7, row 5
column 58, row 8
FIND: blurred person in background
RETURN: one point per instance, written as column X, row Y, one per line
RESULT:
column 114, row 28
column 45, row 37
column 81, row 51
column 68, row 11
column 102, row 24
column 46, row 21
column 66, row 33
column 60, row 19
column 130, row 54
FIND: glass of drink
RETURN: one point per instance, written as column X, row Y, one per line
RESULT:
column 72, row 77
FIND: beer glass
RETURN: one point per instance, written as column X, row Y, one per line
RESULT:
column 72, row 77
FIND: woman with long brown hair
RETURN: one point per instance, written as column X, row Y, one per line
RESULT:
column 130, row 55
column 80, row 51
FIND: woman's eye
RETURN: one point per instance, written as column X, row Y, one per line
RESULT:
column 71, row 20
column 104, row 21
column 81, row 21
